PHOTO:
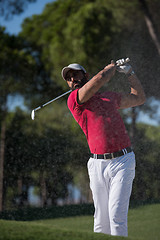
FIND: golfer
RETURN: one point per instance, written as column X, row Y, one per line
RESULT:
column 111, row 167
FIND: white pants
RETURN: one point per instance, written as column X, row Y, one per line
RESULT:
column 111, row 185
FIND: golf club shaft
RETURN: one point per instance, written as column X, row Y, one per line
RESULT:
column 52, row 100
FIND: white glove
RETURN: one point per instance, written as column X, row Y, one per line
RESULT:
column 123, row 66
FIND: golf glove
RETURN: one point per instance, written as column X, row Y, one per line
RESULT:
column 124, row 67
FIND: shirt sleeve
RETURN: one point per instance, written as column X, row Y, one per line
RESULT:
column 75, row 108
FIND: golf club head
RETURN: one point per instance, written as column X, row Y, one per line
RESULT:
column 33, row 114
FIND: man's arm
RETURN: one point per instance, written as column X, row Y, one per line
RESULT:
column 92, row 86
column 136, row 96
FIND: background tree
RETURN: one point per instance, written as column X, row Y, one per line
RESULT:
column 20, row 73
column 147, row 181
column 16, row 67
column 104, row 31
column 41, row 154
column 35, row 153
column 150, row 23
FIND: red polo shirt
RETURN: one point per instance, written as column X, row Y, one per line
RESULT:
column 100, row 121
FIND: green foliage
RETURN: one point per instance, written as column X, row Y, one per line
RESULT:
column 66, row 35
column 55, row 212
column 92, row 33
column 43, row 152
column 16, row 66
column 46, row 147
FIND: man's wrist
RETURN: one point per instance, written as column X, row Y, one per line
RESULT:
column 131, row 73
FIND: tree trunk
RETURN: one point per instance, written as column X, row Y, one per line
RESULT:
column 19, row 184
column 43, row 189
column 20, row 191
column 2, row 147
column 150, row 24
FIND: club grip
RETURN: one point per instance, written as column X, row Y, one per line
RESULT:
column 125, row 61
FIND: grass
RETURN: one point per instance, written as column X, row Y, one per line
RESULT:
column 12, row 230
column 143, row 225
column 144, row 222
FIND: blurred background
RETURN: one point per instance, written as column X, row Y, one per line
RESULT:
column 43, row 162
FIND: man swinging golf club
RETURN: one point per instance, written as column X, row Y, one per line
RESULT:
column 111, row 167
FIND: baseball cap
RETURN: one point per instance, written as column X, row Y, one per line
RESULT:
column 73, row 66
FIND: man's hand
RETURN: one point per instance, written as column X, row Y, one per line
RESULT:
column 109, row 70
column 123, row 66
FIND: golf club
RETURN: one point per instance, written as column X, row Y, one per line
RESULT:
column 38, row 108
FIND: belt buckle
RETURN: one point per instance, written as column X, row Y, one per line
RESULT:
column 106, row 154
